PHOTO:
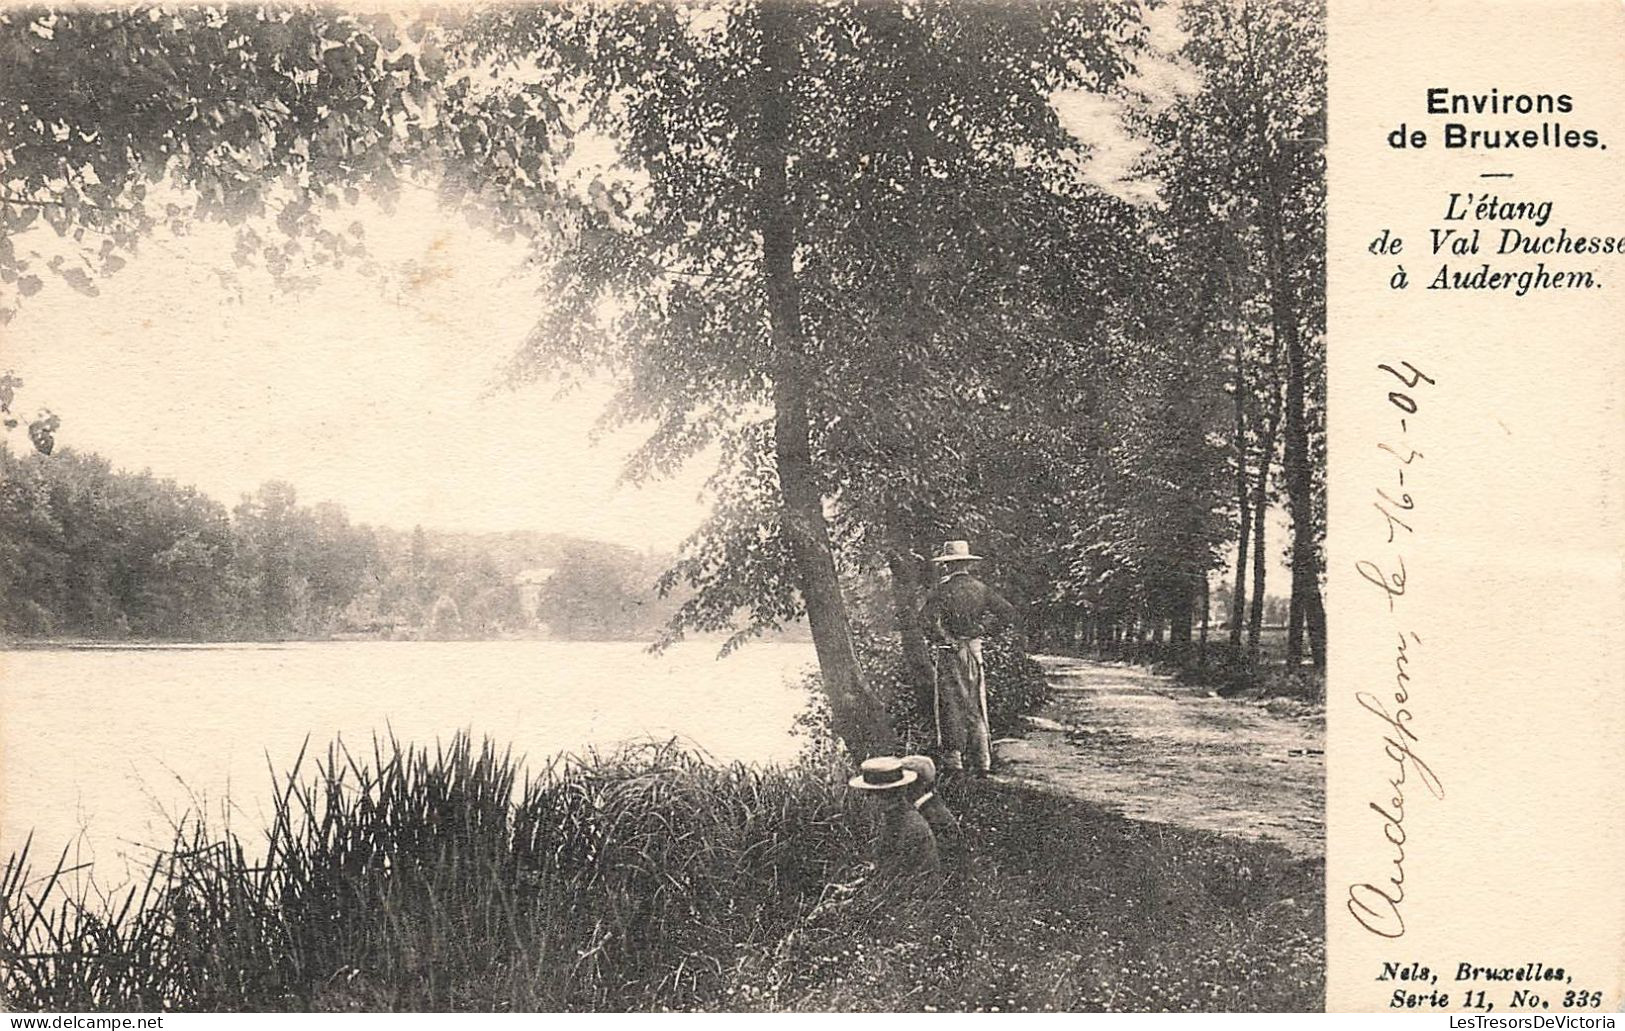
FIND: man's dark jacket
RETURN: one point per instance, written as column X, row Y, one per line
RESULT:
column 963, row 606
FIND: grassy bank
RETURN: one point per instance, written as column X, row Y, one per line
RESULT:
column 1239, row 678
column 648, row 880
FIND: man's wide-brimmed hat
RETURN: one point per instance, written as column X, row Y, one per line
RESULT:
column 955, row 551
column 882, row 774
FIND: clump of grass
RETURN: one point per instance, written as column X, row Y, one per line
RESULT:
column 441, row 880
column 648, row 879
column 1234, row 675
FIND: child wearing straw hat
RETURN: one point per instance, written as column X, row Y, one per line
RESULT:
column 907, row 845
column 923, row 794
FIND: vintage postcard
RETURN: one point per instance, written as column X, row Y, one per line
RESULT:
column 912, row 505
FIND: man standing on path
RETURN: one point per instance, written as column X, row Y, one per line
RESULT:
column 958, row 612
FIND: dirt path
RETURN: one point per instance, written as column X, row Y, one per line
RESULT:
column 1153, row 750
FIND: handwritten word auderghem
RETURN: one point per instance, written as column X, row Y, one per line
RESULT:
column 1376, row 904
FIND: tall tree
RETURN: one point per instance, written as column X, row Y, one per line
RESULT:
column 745, row 270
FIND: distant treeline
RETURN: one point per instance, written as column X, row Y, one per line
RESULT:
column 90, row 551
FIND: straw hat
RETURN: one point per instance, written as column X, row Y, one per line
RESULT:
column 955, row 551
column 882, row 774
column 923, row 767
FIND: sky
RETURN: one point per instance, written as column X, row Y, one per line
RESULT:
column 384, row 399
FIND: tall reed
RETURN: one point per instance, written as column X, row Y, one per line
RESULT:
column 449, row 878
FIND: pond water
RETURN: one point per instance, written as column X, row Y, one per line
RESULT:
column 103, row 748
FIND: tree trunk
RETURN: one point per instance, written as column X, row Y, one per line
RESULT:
column 1294, row 630
column 1207, row 613
column 856, row 715
column 1295, row 455
column 1182, row 625
column 1255, row 623
column 1261, row 504
column 1238, row 596
column 1316, row 615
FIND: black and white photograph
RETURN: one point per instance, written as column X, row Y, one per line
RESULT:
column 759, row 505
